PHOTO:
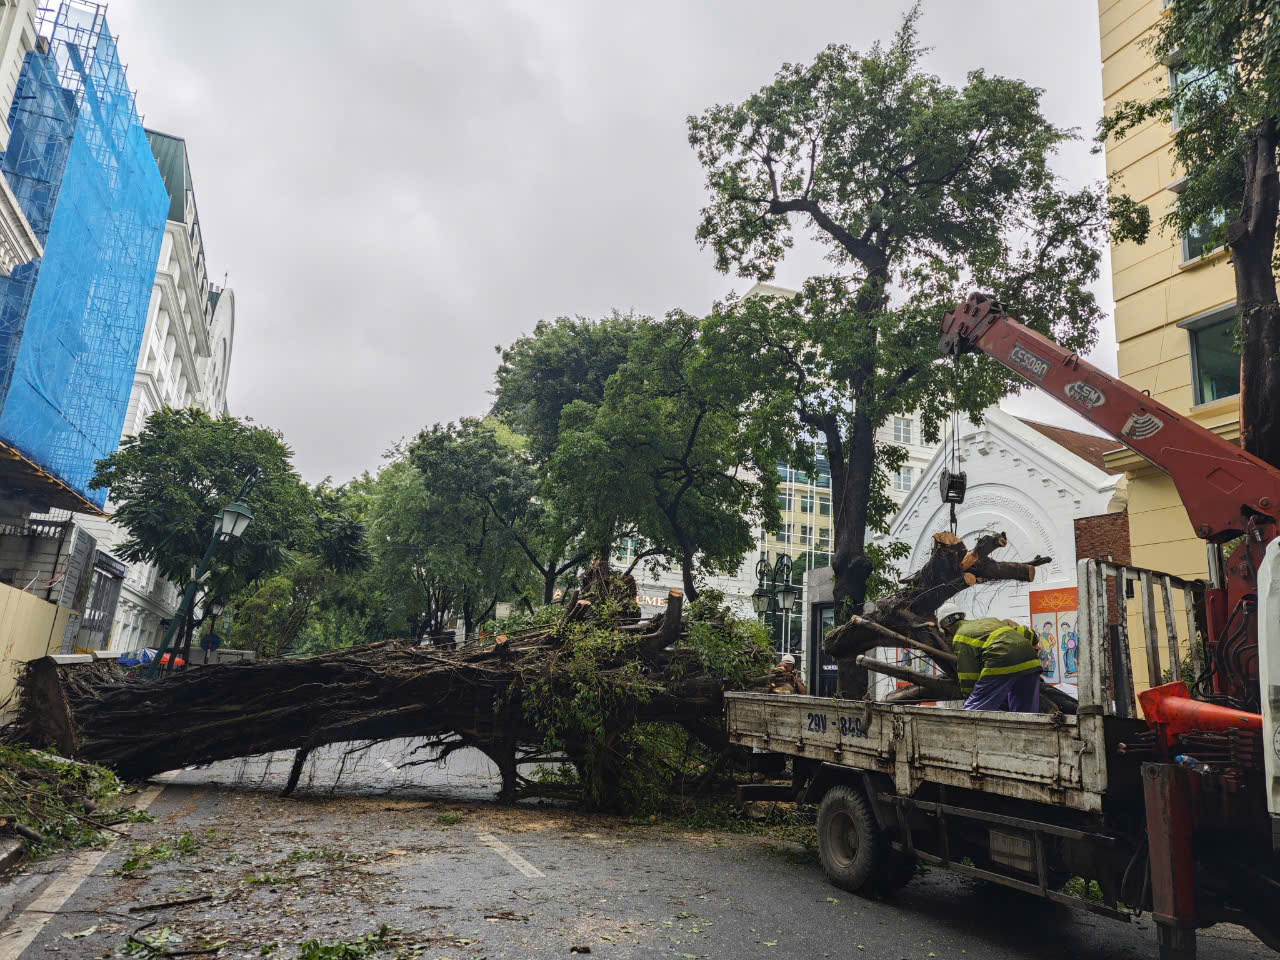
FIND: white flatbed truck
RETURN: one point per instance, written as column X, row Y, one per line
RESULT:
column 1028, row 801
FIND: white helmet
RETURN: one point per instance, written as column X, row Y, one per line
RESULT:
column 947, row 611
column 788, row 658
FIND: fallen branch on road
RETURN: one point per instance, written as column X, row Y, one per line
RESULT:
column 166, row 904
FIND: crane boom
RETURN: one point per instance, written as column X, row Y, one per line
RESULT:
column 1225, row 490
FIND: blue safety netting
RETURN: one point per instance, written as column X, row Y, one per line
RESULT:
column 71, row 323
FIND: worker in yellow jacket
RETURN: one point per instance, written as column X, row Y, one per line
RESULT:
column 997, row 664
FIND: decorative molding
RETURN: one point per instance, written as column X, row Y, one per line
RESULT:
column 18, row 244
column 187, row 270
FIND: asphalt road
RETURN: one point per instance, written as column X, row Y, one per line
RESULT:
column 451, row 875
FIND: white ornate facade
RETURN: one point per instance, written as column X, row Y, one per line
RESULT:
column 1022, row 483
column 184, row 361
column 18, row 244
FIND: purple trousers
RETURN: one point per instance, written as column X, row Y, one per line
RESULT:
column 1019, row 694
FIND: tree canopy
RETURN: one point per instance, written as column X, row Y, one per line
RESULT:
column 667, row 456
column 920, row 190
column 170, row 482
column 1221, row 96
column 483, row 466
column 561, row 361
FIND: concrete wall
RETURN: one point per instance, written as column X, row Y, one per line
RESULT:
column 34, row 552
column 30, row 628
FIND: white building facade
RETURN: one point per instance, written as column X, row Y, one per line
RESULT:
column 184, row 361
column 1030, row 481
column 18, row 244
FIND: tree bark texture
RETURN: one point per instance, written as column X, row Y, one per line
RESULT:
column 472, row 696
column 1252, row 239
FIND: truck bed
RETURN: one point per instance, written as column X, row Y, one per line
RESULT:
column 1047, row 758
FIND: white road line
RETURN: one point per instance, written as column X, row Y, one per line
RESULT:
column 507, row 854
column 28, row 924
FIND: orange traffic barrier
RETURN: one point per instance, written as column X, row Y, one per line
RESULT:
column 1171, row 707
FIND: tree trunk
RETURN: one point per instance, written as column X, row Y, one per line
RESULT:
column 188, row 628
column 390, row 690
column 686, row 570
column 851, row 474
column 1252, row 239
column 549, row 578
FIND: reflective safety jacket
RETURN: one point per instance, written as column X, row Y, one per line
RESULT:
column 992, row 648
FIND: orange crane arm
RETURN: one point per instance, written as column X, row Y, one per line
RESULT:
column 1225, row 490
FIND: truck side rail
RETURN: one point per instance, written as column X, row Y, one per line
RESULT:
column 1107, row 670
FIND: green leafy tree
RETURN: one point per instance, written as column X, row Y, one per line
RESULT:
column 667, row 454
column 482, row 466
column 412, row 558
column 320, row 573
column 169, row 483
column 561, row 361
column 437, row 555
column 1225, row 56
column 920, row 190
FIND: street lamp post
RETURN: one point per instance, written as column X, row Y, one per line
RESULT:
column 231, row 524
column 774, row 598
column 211, row 640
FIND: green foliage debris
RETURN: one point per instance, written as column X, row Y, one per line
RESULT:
column 55, row 804
column 365, row 946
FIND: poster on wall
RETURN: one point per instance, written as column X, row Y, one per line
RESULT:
column 1053, row 618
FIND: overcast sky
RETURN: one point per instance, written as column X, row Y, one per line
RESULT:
column 393, row 195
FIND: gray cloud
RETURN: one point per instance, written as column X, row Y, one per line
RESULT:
column 396, row 192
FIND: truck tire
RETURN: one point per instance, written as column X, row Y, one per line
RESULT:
column 851, row 846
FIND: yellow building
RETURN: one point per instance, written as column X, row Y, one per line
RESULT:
column 1174, row 301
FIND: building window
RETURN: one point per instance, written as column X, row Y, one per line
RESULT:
column 823, row 477
column 1195, row 242
column 824, row 506
column 824, row 537
column 625, row 550
column 1212, row 82
column 806, row 503
column 784, row 501
column 902, row 430
column 1215, row 362
column 1178, row 78
column 902, row 479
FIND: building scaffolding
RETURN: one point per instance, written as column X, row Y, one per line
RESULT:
column 71, row 323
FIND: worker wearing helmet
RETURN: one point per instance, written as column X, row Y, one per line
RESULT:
column 997, row 663
column 785, row 678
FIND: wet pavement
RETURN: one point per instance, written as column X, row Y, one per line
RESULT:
column 423, row 852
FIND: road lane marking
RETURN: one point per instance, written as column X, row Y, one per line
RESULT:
column 507, row 854
column 27, row 925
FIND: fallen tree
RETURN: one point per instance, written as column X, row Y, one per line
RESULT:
column 581, row 685
column 908, row 619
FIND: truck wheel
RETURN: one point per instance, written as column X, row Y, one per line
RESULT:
column 851, row 847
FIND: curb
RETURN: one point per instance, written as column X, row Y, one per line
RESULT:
column 11, row 853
